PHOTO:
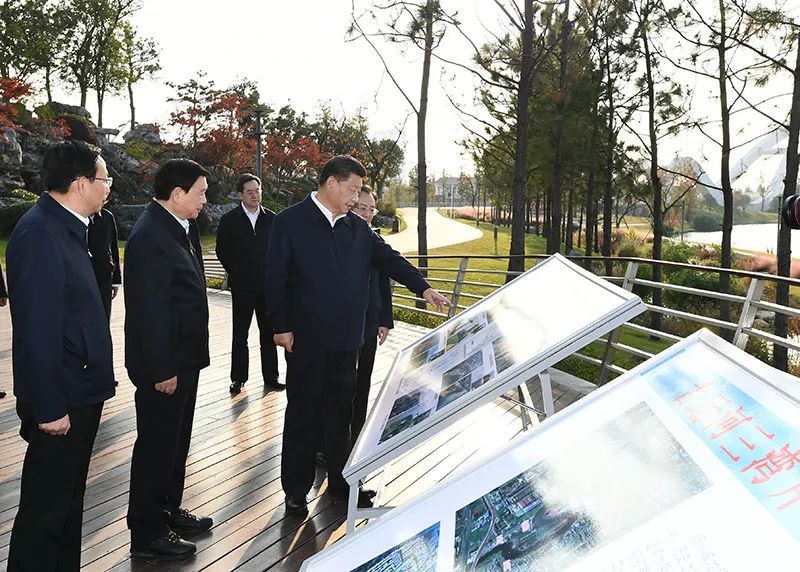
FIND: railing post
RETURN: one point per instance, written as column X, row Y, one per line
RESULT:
column 749, row 310
column 613, row 338
column 462, row 271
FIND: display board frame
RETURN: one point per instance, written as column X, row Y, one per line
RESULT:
column 363, row 462
column 779, row 387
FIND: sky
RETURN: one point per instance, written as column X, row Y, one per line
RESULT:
column 297, row 52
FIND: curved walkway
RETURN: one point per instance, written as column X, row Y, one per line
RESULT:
column 442, row 231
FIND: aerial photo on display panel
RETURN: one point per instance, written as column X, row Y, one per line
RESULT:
column 417, row 554
column 593, row 491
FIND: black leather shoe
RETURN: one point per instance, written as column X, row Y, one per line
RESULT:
column 236, row 387
column 321, row 459
column 2, row 394
column 296, row 505
column 184, row 521
column 369, row 493
column 274, row 385
column 169, row 547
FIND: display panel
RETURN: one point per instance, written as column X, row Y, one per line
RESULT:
column 472, row 358
column 691, row 461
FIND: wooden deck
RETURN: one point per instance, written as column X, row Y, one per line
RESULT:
column 234, row 463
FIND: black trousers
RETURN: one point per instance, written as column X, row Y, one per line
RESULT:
column 105, row 296
column 245, row 303
column 47, row 530
column 158, row 467
column 319, row 387
column 366, row 362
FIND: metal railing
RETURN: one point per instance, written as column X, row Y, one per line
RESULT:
column 464, row 285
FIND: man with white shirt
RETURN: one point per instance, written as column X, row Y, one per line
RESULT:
column 319, row 263
column 242, row 243
column 166, row 346
column 62, row 356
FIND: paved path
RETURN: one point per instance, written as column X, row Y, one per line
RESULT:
column 442, row 231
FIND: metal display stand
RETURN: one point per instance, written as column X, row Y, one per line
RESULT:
column 564, row 305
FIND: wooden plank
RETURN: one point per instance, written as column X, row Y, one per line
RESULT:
column 233, row 469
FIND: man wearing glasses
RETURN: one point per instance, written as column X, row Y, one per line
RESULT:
column 377, row 325
column 62, row 356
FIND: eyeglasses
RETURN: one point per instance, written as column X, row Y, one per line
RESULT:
column 107, row 180
column 365, row 207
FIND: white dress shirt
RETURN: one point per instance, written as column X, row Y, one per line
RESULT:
column 252, row 216
column 328, row 214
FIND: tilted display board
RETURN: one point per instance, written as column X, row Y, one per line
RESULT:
column 690, row 461
column 518, row 331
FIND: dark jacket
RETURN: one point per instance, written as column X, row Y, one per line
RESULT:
column 318, row 283
column 62, row 351
column 380, row 296
column 104, row 249
column 166, row 308
column 242, row 251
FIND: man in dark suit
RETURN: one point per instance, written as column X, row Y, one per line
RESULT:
column 166, row 346
column 379, row 321
column 105, row 256
column 318, row 265
column 242, row 242
column 62, row 356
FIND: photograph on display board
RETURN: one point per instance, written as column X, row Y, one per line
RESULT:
column 502, row 331
column 417, row 554
column 568, row 505
column 447, row 367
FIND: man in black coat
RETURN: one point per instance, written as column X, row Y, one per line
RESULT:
column 318, row 265
column 242, row 243
column 105, row 256
column 379, row 321
column 62, row 356
column 166, row 346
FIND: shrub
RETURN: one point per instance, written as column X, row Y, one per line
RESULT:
column 411, row 317
column 707, row 223
column 142, row 151
column 386, row 208
column 10, row 215
column 20, row 194
column 80, row 128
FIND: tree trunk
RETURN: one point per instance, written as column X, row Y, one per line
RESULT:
column 100, row 95
column 84, row 91
column 580, row 226
column 422, row 169
column 725, row 175
column 780, row 358
column 569, row 225
column 48, row 70
column 516, row 262
column 655, row 181
column 611, row 143
column 592, row 182
column 133, row 107
column 554, row 238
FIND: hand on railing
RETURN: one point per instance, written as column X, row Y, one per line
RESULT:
column 433, row 298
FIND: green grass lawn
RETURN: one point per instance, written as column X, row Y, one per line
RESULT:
column 533, row 245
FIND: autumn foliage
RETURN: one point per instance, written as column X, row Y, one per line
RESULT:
column 12, row 92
